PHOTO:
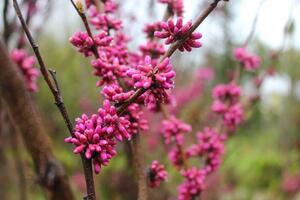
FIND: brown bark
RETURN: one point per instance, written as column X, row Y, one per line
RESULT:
column 5, row 178
column 140, row 172
column 50, row 173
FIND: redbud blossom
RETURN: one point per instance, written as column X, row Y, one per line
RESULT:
column 145, row 76
column 227, row 92
column 173, row 32
column 193, row 184
column 210, row 146
column 135, row 116
column 233, row 117
column 249, row 61
column 113, row 124
column 26, row 65
column 108, row 68
column 157, row 174
column 115, row 93
column 93, row 141
column 226, row 99
column 175, row 157
column 83, row 43
column 174, row 129
column 150, row 29
column 176, row 6
column 152, row 48
column 103, row 21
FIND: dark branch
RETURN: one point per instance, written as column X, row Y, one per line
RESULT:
column 87, row 165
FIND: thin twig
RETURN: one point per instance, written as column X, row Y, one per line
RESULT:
column 87, row 165
column 7, row 27
column 87, row 27
column 254, row 24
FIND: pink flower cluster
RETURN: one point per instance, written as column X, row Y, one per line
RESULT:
column 135, row 117
column 152, row 48
column 115, row 93
column 226, row 103
column 176, row 6
column 109, row 68
column 175, row 31
column 173, row 130
column 26, row 65
column 114, row 125
column 193, row 185
column 175, row 156
column 84, row 43
column 90, row 139
column 156, row 174
column 150, row 29
column 103, row 21
column 154, row 79
column 96, row 136
column 249, row 61
column 210, row 146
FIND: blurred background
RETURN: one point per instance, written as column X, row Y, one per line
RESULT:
column 262, row 160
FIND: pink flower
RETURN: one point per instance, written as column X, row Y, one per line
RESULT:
column 227, row 92
column 152, row 49
column 233, row 117
column 173, row 129
column 26, row 65
column 175, row 157
column 226, row 103
column 173, row 32
column 250, row 61
column 103, row 21
column 88, row 3
column 210, row 146
column 150, row 29
column 157, row 174
column 93, row 141
column 176, row 6
column 156, row 80
column 145, row 77
column 115, row 93
column 135, row 116
column 109, row 68
column 219, row 107
column 193, row 184
column 83, row 43
column 113, row 124
column 110, row 6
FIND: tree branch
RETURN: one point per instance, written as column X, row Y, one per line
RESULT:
column 87, row 166
column 135, row 145
column 23, row 112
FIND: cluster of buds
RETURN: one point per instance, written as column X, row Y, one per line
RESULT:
column 26, row 66
column 193, row 185
column 173, row 32
column 156, row 80
column 174, row 129
column 226, row 103
column 91, row 139
column 156, row 174
column 249, row 61
column 174, row 6
column 210, row 146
